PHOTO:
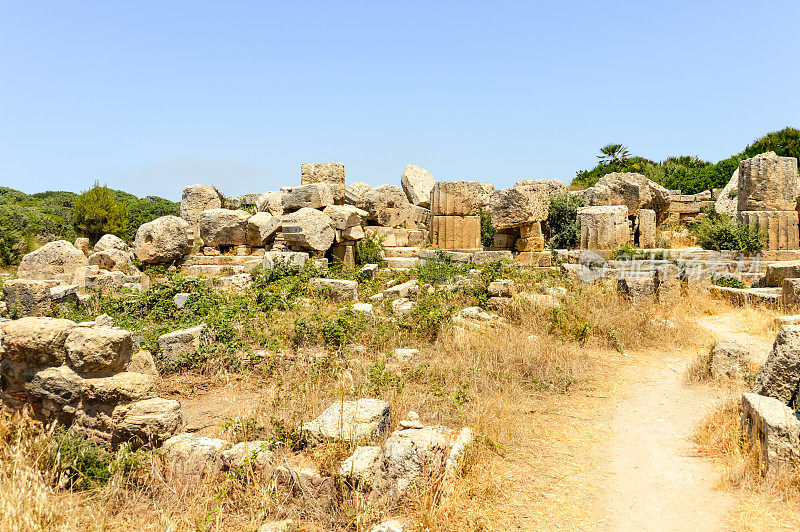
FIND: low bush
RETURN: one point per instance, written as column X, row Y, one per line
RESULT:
column 719, row 232
column 562, row 221
column 369, row 250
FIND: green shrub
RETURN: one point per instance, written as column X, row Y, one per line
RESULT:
column 439, row 271
column 720, row 232
column 487, row 229
column 369, row 250
column 562, row 221
column 727, row 281
column 98, row 212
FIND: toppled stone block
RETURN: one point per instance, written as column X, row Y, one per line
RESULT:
column 165, row 239
column 455, row 198
column 83, row 244
column 339, row 289
column 223, row 227
column 261, row 229
column 417, row 183
column 768, row 183
column 271, row 202
column 111, row 259
column 356, row 194
column 501, row 288
column 780, row 374
column 108, row 242
column 349, row 421
column 284, row 259
column 313, row 196
column 780, row 228
column 776, row 272
column 150, row 421
column 330, row 173
column 632, row 190
column 143, row 362
column 252, row 456
column 28, row 298
column 120, row 387
column 646, row 228
column 345, row 216
column 36, row 341
column 54, row 260
column 774, row 426
column 387, row 205
column 636, row 288
column 392, row 525
column 486, row 257
column 729, row 359
column 309, row 229
column 456, row 232
column 194, row 200
column 405, row 355
column 180, row 343
column 603, row 227
column 790, row 293
column 524, row 203
column 360, row 468
column 402, row 289
column 368, row 270
column 190, row 457
column 59, row 385
column 93, row 350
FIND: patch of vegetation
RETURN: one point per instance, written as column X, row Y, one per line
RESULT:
column 97, row 212
column 369, row 250
column 719, row 232
column 727, row 281
column 562, row 221
column 439, row 271
column 487, row 228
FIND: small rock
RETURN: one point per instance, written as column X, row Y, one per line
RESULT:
column 349, row 421
column 411, row 421
column 180, row 299
column 402, row 305
column 406, row 355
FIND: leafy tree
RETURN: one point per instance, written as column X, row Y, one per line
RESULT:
column 613, row 154
column 97, row 212
column 562, row 221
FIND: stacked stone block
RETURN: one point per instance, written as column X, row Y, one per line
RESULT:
column 83, row 375
column 330, row 173
column 767, row 198
column 603, row 227
column 456, row 224
column 531, row 237
column 647, row 228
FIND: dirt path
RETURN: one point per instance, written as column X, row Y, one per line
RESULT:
column 656, row 482
column 655, row 479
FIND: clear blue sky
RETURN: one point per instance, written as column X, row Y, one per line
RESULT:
column 150, row 96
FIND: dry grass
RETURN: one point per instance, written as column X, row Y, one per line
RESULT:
column 768, row 502
column 533, row 390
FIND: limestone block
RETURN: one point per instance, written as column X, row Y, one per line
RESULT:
column 790, row 292
column 420, row 216
column 149, row 421
column 360, row 468
column 776, row 272
column 636, row 288
column 284, row 259
column 778, row 228
column 780, row 374
column 504, row 240
column 456, row 232
column 387, row 205
column 83, row 244
column 180, row 343
column 345, row 253
column 54, row 260
column 124, row 386
column 332, row 173
column 633, row 190
column 107, row 242
column 164, row 239
column 190, row 457
column 729, row 359
column 111, row 259
column 774, row 426
column 768, row 183
column 647, row 228
column 196, row 199
column 338, row 289
column 526, row 202
column 455, row 198
column 345, row 216
column 727, row 202
column 349, row 421
column 223, row 227
column 271, row 202
column 308, row 228
column 36, row 341
column 28, row 298
column 604, row 227
column 92, row 350
column 262, row 228
column 356, row 194
column 417, row 184
column 312, row 196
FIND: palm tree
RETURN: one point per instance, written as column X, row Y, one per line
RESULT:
column 613, row 154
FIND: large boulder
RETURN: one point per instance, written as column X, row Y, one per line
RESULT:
column 180, row 343
column 630, row 189
column 196, row 199
column 349, row 421
column 337, row 289
column 417, row 184
column 387, row 205
column 111, row 259
column 356, row 194
column 346, row 216
column 99, row 350
column 727, row 201
column 525, row 203
column 313, row 196
column 36, row 341
column 54, row 260
column 109, row 241
column 262, row 228
column 780, row 374
column 729, row 359
column 223, row 227
column 308, row 228
column 120, row 387
column 164, row 239
column 189, row 457
column 774, row 427
column 331, row 174
column 28, row 298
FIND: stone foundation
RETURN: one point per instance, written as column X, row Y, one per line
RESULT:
column 456, row 232
column 603, row 227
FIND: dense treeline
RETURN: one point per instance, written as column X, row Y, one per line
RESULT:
column 28, row 220
column 687, row 173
